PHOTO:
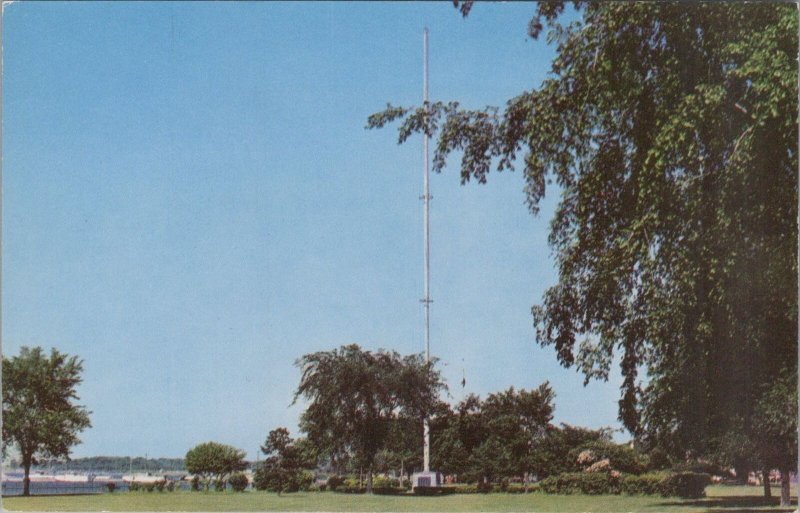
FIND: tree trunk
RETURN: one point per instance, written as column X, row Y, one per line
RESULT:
column 26, row 481
column 766, row 483
column 785, row 499
column 369, row 479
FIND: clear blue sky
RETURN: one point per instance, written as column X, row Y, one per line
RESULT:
column 191, row 202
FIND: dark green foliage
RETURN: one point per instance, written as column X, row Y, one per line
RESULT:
column 434, row 490
column 220, row 484
column 238, row 481
column 334, row 482
column 557, row 452
column 645, row 484
column 670, row 132
column 282, row 470
column 40, row 415
column 195, row 483
column 587, row 483
column 687, row 485
column 355, row 396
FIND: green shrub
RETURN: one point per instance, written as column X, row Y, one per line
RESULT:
column 517, row 488
column 462, row 488
column 484, row 487
column 687, row 485
column 434, row 490
column 385, row 482
column 387, row 490
column 351, row 482
column 645, row 484
column 238, row 481
column 343, row 488
column 588, row 483
column 335, row 481
column 196, row 484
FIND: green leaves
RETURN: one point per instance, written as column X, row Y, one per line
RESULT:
column 355, row 396
column 39, row 414
column 671, row 132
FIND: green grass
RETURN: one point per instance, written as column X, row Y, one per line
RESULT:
column 721, row 499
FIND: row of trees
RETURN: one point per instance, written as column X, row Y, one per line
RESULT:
column 670, row 132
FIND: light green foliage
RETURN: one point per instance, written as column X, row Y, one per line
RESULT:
column 40, row 415
column 670, row 130
column 214, row 461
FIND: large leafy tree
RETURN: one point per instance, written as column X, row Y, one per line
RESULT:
column 354, row 397
column 212, row 460
column 670, row 131
column 40, row 415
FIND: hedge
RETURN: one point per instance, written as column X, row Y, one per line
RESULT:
column 645, row 484
column 587, row 483
column 687, row 485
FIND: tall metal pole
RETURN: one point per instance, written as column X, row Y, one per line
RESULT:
column 426, row 201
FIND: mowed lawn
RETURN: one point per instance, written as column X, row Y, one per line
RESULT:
column 730, row 499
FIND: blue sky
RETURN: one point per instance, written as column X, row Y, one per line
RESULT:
column 191, row 202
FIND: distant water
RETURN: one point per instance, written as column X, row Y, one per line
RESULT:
column 10, row 488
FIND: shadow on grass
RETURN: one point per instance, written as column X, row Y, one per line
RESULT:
column 734, row 504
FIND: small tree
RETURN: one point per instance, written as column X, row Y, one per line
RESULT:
column 286, row 459
column 39, row 412
column 215, row 461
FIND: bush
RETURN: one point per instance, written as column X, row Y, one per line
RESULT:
column 334, row 482
column 484, row 487
column 350, row 489
column 385, row 482
column 351, row 482
column 170, row 486
column 238, row 481
column 581, row 482
column 434, row 490
column 220, row 484
column 387, row 490
column 687, row 485
column 196, row 484
column 111, row 486
column 645, row 484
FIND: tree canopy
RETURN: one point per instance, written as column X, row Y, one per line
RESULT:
column 212, row 460
column 670, row 132
column 355, row 396
column 40, row 414
column 286, row 459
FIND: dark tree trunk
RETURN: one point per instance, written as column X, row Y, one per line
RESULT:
column 767, row 484
column 26, row 481
column 785, row 499
column 369, row 479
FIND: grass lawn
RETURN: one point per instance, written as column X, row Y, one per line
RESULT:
column 721, row 499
